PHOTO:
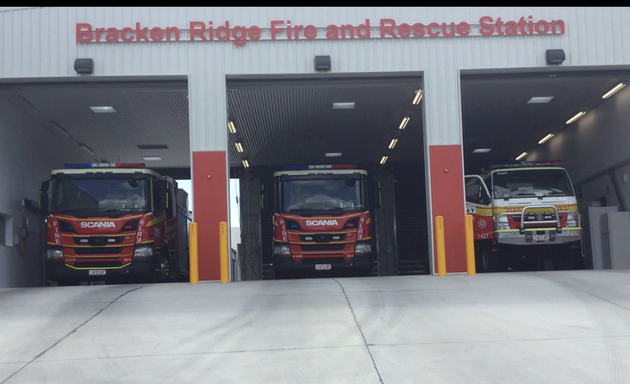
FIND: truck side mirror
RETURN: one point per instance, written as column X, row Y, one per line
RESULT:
column 43, row 196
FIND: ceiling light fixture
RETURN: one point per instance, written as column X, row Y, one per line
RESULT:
column 417, row 97
column 540, row 99
column 482, row 150
column 577, row 116
column 239, row 147
column 403, row 123
column 384, row 159
column 392, row 144
column 152, row 158
column 613, row 91
column 344, row 105
column 246, row 163
column 521, row 155
column 103, row 109
column 152, row 146
column 332, row 154
column 231, row 127
column 544, row 139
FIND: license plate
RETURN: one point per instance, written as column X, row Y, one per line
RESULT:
column 322, row 267
column 97, row 272
column 541, row 237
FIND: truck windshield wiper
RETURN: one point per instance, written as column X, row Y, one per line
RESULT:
column 62, row 211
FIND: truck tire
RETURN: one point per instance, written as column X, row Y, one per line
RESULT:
column 491, row 261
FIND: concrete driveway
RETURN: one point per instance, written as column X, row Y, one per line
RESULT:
column 528, row 327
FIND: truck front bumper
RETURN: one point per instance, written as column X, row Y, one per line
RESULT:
column 58, row 269
column 538, row 236
column 288, row 263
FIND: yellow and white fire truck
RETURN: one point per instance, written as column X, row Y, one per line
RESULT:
column 524, row 212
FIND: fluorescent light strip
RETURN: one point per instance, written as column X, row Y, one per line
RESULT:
column 104, row 109
column 344, row 105
column 384, row 159
column 540, row 99
column 239, row 147
column 577, row 116
column 246, row 163
column 613, row 91
column 392, row 144
column 231, row 127
column 152, row 158
column 521, row 155
column 482, row 150
column 544, row 139
column 332, row 154
column 417, row 98
column 403, row 123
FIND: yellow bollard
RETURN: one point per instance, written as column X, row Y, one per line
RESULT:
column 470, row 246
column 441, row 253
column 223, row 252
column 194, row 254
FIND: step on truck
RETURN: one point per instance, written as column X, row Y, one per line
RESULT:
column 524, row 213
column 322, row 220
column 114, row 221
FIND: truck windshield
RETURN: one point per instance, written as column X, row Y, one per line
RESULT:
column 323, row 195
column 531, row 183
column 97, row 196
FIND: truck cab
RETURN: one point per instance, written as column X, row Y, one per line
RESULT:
column 321, row 221
column 107, row 221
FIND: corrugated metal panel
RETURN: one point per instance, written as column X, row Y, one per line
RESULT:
column 41, row 42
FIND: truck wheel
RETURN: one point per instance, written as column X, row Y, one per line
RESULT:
column 174, row 264
column 164, row 268
column 491, row 261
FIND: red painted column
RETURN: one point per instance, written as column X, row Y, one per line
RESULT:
column 210, row 187
column 447, row 200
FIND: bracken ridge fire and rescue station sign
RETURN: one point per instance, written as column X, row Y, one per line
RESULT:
column 286, row 30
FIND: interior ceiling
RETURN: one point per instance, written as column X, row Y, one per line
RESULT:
column 292, row 120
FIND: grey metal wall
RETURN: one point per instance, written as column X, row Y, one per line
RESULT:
column 25, row 145
column 41, row 42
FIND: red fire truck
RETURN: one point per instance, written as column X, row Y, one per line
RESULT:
column 108, row 221
column 322, row 220
column 524, row 212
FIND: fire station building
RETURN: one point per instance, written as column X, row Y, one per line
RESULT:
column 209, row 94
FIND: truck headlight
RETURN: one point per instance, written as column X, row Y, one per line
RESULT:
column 503, row 223
column 363, row 248
column 143, row 251
column 572, row 220
column 54, row 253
column 282, row 250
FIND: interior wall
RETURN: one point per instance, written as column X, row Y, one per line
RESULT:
column 28, row 150
column 596, row 147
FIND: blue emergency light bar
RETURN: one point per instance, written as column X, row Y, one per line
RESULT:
column 322, row 166
column 104, row 165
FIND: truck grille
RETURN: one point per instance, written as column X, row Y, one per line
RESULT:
column 97, row 240
column 322, row 247
column 322, row 260
column 97, row 264
column 98, row 251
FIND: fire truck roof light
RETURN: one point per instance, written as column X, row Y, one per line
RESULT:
column 319, row 166
column 104, row 165
column 523, row 164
